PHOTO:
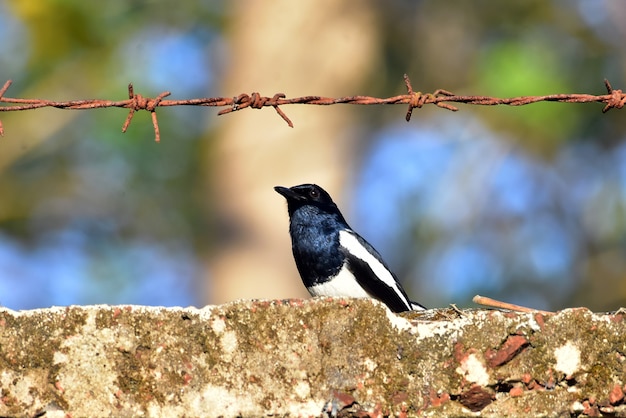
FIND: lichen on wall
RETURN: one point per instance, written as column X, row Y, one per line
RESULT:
column 308, row 358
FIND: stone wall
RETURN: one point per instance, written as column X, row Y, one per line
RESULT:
column 305, row 358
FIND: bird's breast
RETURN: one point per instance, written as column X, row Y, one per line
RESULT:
column 316, row 252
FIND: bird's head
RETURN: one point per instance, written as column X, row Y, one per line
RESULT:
column 310, row 195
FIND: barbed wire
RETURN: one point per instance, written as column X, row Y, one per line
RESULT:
column 440, row 98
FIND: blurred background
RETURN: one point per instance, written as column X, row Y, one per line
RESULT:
column 523, row 204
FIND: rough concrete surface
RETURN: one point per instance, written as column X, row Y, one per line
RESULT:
column 308, row 358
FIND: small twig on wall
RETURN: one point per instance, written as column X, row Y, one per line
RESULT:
column 440, row 98
column 485, row 301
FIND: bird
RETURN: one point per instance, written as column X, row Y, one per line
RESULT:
column 332, row 259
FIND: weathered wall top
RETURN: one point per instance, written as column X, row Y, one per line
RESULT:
column 303, row 358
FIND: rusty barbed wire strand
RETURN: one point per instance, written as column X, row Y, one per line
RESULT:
column 440, row 98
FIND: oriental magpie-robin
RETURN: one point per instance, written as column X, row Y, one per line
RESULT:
column 332, row 259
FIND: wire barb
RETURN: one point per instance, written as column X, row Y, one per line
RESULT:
column 256, row 101
column 131, row 112
column 138, row 102
column 2, row 91
column 418, row 99
column 617, row 99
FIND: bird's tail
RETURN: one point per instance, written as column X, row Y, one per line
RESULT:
column 416, row 306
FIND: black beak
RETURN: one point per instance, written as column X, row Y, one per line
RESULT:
column 287, row 193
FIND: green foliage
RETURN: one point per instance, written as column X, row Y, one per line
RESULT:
column 514, row 68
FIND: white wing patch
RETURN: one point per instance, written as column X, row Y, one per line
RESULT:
column 352, row 244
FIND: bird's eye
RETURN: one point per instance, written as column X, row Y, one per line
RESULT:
column 314, row 194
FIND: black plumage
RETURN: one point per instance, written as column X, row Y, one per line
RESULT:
column 331, row 258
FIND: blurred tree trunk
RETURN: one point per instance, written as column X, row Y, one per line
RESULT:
column 298, row 48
